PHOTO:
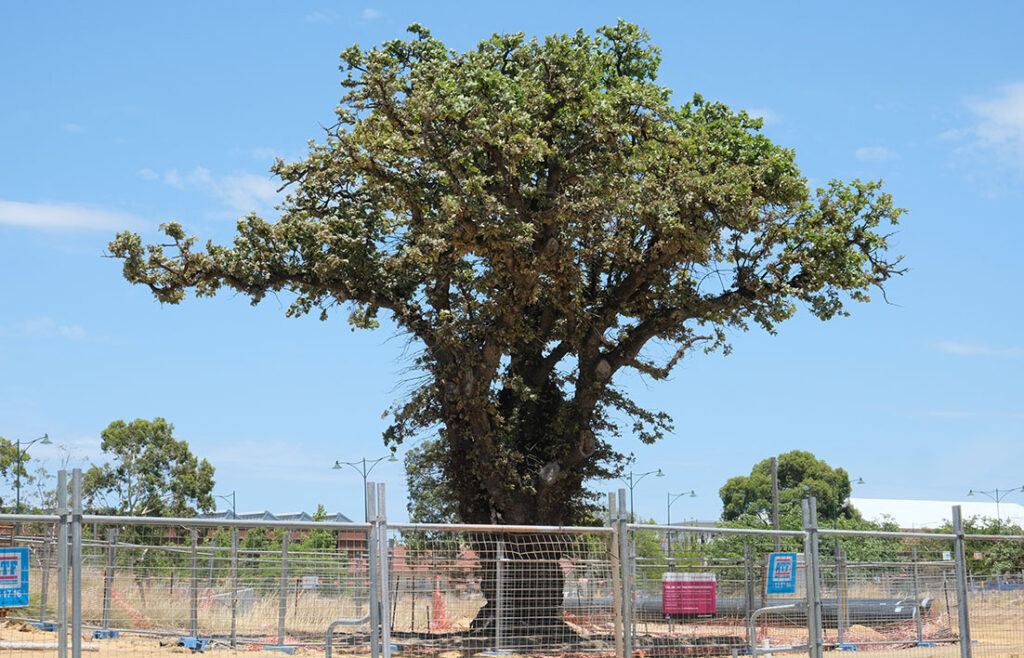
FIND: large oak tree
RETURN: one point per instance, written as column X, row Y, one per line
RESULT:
column 539, row 216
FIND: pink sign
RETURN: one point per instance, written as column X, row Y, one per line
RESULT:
column 688, row 593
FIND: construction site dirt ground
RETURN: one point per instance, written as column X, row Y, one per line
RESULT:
column 993, row 637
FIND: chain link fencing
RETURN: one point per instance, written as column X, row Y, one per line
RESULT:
column 130, row 586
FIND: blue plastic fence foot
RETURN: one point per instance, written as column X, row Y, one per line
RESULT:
column 44, row 625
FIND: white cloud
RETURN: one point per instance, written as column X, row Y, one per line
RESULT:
column 64, row 216
column 321, row 17
column 952, row 414
column 1002, row 117
column 768, row 116
column 265, row 153
column 173, row 178
column 244, row 192
column 72, row 128
column 241, row 191
column 971, row 349
column 998, row 131
column 44, row 327
column 875, row 154
column 328, row 16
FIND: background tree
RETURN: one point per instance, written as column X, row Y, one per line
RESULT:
column 800, row 474
column 747, row 503
column 9, row 466
column 538, row 216
column 429, row 495
column 151, row 473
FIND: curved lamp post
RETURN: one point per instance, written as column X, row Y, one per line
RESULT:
column 43, row 440
column 673, row 498
column 996, row 495
column 634, row 480
column 363, row 467
column 225, row 497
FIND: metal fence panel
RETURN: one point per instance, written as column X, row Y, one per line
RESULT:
column 888, row 594
column 484, row 588
column 695, row 590
column 194, row 583
column 995, row 595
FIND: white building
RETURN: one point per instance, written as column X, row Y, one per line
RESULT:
column 931, row 514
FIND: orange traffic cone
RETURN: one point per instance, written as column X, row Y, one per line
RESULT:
column 439, row 620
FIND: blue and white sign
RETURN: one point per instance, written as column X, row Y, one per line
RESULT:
column 13, row 577
column 781, row 574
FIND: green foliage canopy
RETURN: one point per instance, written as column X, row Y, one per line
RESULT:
column 800, row 474
column 538, row 215
column 151, row 473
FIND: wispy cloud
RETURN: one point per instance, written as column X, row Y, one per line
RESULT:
column 952, row 414
column 998, row 128
column 964, row 414
column 240, row 191
column 321, row 17
column 72, row 128
column 973, row 349
column 769, row 117
column 64, row 216
column 44, row 327
column 328, row 16
column 265, row 153
column 875, row 154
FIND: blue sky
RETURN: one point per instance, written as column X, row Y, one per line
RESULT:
column 126, row 115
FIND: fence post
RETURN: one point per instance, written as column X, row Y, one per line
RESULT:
column 812, row 577
column 844, row 611
column 76, row 560
column 499, row 596
column 62, row 564
column 841, row 593
column 371, row 572
column 625, row 562
column 613, row 550
column 234, row 587
column 385, row 593
column 748, row 588
column 193, row 594
column 282, row 600
column 961, row 584
column 917, row 596
column 46, row 551
column 108, row 575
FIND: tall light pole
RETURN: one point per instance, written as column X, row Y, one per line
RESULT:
column 634, row 480
column 225, row 497
column 43, row 440
column 363, row 467
column 673, row 498
column 996, row 495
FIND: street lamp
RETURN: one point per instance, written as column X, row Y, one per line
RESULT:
column 225, row 497
column 634, row 480
column 996, row 495
column 43, row 440
column 363, row 467
column 672, row 498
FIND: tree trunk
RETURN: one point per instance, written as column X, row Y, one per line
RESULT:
column 527, row 586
